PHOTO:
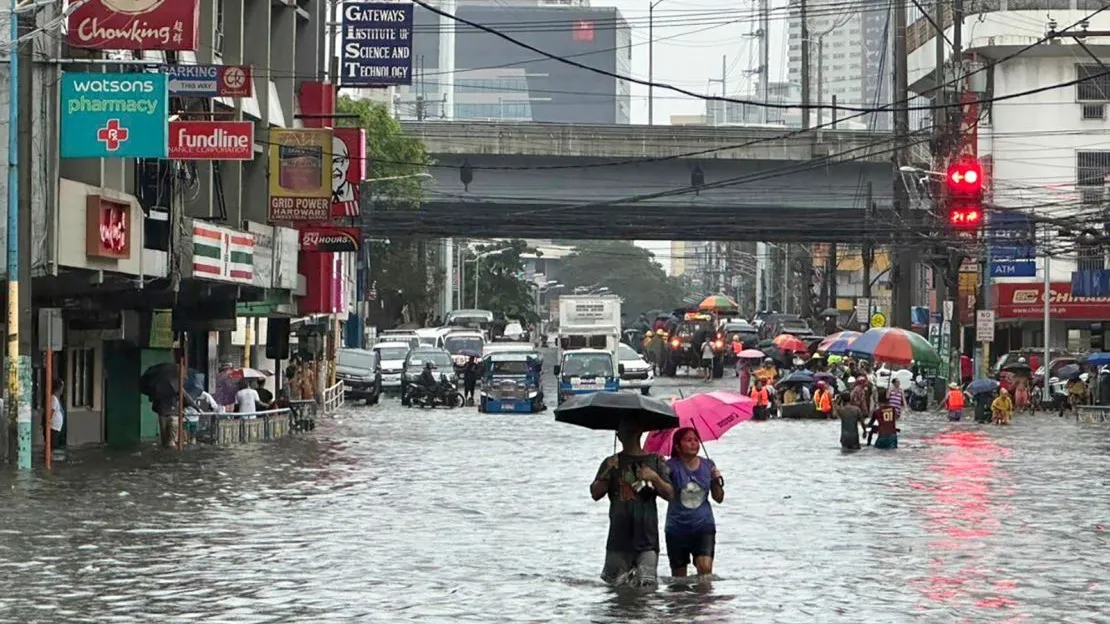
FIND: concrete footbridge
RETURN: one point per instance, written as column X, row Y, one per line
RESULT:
column 523, row 179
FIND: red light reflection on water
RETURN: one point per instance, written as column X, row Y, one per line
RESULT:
column 961, row 513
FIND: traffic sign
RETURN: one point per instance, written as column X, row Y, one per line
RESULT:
column 984, row 325
column 878, row 319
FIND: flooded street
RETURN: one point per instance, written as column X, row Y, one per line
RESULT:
column 394, row 515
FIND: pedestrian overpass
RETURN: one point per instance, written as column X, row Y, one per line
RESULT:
column 532, row 180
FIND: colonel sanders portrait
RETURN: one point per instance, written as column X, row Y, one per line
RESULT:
column 341, row 189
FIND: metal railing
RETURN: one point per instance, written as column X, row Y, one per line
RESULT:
column 333, row 398
column 226, row 428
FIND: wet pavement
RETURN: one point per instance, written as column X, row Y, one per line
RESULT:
column 393, row 515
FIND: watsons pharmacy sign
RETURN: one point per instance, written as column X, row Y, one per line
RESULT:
column 114, row 115
column 377, row 44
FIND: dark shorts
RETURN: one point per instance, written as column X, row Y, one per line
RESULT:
column 682, row 547
column 630, row 568
column 887, row 441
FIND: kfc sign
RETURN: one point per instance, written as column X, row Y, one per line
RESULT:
column 348, row 170
column 134, row 25
column 107, row 228
column 1025, row 300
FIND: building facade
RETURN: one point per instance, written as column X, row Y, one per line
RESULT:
column 851, row 55
column 494, row 79
column 131, row 251
column 1040, row 146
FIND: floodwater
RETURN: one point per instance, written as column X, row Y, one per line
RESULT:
column 395, row 515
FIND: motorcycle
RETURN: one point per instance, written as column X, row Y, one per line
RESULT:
column 444, row 393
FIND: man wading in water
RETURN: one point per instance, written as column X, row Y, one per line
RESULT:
column 632, row 479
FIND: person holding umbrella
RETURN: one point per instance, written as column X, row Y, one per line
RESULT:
column 633, row 480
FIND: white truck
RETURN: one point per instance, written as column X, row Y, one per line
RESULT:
column 589, row 332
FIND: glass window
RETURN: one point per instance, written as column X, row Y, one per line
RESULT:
column 82, row 379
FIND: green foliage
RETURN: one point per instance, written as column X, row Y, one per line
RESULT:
column 400, row 269
column 501, row 287
column 628, row 270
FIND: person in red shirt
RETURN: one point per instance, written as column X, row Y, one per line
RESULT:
column 884, row 421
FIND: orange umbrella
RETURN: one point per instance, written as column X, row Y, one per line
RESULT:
column 789, row 342
column 716, row 303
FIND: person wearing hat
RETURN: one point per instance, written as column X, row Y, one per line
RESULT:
column 225, row 386
column 954, row 402
column 823, row 400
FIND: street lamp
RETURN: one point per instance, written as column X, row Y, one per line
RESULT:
column 651, row 61
column 476, row 259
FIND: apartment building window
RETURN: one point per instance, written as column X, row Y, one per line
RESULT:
column 1095, row 83
column 82, row 379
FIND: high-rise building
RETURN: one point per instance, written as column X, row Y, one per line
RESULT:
column 495, row 79
column 851, row 56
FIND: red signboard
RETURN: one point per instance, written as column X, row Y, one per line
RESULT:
column 107, row 228
column 212, row 140
column 1025, row 300
column 330, row 239
column 134, row 25
column 583, row 30
column 348, row 170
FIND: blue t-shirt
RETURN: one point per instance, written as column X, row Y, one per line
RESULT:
column 689, row 510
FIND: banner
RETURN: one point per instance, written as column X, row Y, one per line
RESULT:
column 300, row 174
column 212, row 140
column 330, row 239
column 377, row 44
column 1025, row 300
column 134, row 25
column 210, row 81
column 348, row 170
column 114, row 115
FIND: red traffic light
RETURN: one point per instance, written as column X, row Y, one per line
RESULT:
column 965, row 179
column 965, row 217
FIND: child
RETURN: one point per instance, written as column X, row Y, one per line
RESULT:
column 954, row 402
column 1002, row 408
column 885, row 423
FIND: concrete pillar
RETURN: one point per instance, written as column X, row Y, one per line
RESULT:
column 283, row 23
column 446, row 77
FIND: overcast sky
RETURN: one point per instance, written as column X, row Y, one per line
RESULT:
column 688, row 54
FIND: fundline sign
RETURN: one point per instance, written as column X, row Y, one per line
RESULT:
column 212, row 140
column 377, row 44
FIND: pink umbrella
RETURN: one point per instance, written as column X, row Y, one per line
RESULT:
column 751, row 354
column 711, row 414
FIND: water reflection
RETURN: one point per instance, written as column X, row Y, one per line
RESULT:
column 392, row 515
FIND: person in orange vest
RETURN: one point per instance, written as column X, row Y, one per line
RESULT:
column 954, row 402
column 761, row 394
column 823, row 400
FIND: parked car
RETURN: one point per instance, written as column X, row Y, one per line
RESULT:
column 358, row 370
column 414, row 365
column 636, row 373
column 391, row 363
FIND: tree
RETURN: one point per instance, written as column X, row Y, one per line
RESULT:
column 502, row 288
column 628, row 271
column 401, row 271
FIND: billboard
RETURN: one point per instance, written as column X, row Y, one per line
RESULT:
column 212, row 140
column 330, row 239
column 114, row 115
column 300, row 174
column 210, row 81
column 377, row 44
column 348, row 170
column 1025, row 300
column 134, row 25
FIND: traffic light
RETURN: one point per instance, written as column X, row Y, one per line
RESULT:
column 964, row 195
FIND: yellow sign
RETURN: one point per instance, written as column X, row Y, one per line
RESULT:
column 878, row 319
column 161, row 329
column 300, row 174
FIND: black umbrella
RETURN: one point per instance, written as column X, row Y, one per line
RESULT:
column 1068, row 372
column 797, row 377
column 833, row 312
column 1018, row 369
column 607, row 410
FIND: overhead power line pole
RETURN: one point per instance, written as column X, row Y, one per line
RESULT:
column 904, row 259
column 803, row 14
column 765, row 55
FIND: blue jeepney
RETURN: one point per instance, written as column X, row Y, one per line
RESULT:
column 582, row 371
column 512, row 382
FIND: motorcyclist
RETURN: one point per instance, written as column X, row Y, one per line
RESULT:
column 427, row 378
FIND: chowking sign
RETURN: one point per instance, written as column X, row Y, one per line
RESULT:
column 300, row 174
column 134, row 25
column 330, row 239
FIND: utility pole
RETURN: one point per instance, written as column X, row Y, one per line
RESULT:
column 867, row 251
column 765, row 55
column 904, row 258
column 805, row 58
column 820, row 79
column 724, row 91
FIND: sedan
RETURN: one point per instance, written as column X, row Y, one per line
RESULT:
column 637, row 372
